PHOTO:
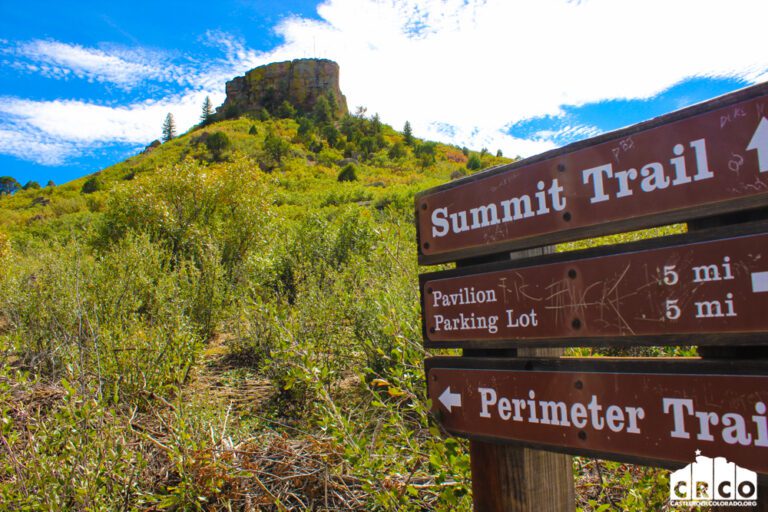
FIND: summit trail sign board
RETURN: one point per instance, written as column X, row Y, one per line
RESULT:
column 705, row 160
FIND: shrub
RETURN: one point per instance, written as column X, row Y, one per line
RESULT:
column 286, row 110
column 426, row 154
column 217, row 143
column 275, row 148
column 397, row 151
column 5, row 246
column 93, row 184
column 193, row 212
column 348, row 173
column 474, row 162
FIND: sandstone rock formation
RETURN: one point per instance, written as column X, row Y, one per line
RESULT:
column 300, row 82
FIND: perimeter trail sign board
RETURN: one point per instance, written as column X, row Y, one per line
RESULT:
column 705, row 160
column 646, row 411
column 708, row 292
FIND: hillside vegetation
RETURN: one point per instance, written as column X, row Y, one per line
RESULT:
column 231, row 322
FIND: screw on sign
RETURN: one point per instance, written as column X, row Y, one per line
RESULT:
column 709, row 159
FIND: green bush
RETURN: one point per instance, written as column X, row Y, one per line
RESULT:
column 348, row 173
column 92, row 184
column 474, row 163
column 123, row 320
column 217, row 143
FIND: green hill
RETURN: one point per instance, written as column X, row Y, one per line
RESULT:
column 299, row 163
column 229, row 320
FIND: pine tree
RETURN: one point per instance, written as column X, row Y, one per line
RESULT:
column 207, row 114
column 408, row 133
column 322, row 112
column 8, row 185
column 169, row 128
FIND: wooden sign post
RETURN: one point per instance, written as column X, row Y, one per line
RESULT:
column 523, row 408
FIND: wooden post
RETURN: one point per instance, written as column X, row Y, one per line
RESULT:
column 516, row 479
column 512, row 478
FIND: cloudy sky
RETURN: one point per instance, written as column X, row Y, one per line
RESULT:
column 85, row 84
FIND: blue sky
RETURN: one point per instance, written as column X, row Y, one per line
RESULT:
column 85, row 84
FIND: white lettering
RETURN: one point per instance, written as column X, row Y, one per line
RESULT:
column 440, row 224
column 677, row 405
column 595, row 174
column 487, row 398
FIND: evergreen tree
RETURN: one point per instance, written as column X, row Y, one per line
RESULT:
column 169, row 128
column 408, row 133
column 375, row 124
column 51, row 184
column 322, row 111
column 8, row 185
column 331, row 134
column 286, row 110
column 207, row 114
column 275, row 146
column 31, row 185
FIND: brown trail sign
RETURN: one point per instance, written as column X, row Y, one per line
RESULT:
column 646, row 411
column 681, row 293
column 707, row 287
column 708, row 159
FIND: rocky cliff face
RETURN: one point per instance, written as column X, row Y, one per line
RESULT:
column 300, row 82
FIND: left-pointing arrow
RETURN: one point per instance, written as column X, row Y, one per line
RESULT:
column 449, row 399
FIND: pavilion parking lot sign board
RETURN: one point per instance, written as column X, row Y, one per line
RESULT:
column 635, row 410
column 708, row 159
column 716, row 287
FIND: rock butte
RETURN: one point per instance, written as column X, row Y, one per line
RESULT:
column 300, row 82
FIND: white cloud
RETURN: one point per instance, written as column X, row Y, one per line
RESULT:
column 50, row 132
column 484, row 64
column 32, row 145
column 123, row 67
column 461, row 71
